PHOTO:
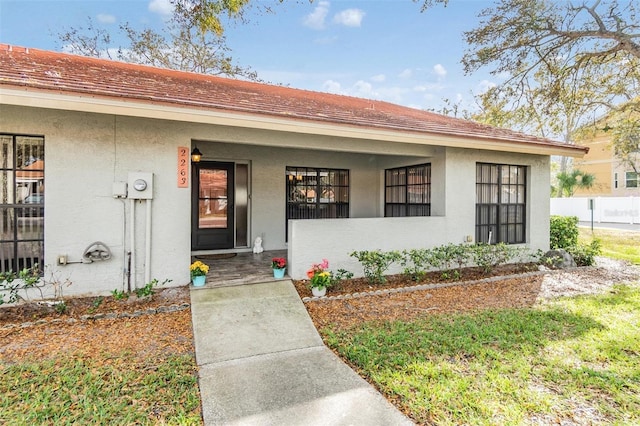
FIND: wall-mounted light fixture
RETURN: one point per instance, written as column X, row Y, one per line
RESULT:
column 196, row 155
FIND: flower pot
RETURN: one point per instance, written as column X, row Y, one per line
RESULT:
column 199, row 280
column 278, row 273
column 318, row 291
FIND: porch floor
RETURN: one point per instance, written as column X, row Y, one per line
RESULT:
column 239, row 268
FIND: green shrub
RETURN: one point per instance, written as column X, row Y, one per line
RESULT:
column 584, row 254
column 416, row 263
column 375, row 263
column 451, row 258
column 339, row 276
column 488, row 256
column 11, row 283
column 563, row 232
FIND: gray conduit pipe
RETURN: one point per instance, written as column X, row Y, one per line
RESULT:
column 133, row 242
column 147, row 246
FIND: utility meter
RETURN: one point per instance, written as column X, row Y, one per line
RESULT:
column 140, row 185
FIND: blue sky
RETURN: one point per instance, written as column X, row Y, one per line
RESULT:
column 377, row 49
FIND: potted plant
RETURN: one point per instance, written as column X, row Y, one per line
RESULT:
column 319, row 278
column 279, row 265
column 199, row 273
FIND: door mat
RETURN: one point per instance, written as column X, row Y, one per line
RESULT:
column 216, row 256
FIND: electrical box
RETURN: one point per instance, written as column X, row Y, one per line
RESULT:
column 119, row 190
column 140, row 185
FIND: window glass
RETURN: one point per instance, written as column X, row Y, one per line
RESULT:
column 314, row 193
column 631, row 180
column 21, row 202
column 500, row 203
column 408, row 191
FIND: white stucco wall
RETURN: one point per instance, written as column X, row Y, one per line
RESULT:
column 86, row 153
column 312, row 241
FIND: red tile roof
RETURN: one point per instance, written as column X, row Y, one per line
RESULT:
column 35, row 69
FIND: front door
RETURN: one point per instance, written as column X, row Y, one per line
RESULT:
column 212, row 206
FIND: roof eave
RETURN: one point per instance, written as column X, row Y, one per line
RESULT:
column 103, row 105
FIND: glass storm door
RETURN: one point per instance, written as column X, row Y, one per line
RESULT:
column 212, row 206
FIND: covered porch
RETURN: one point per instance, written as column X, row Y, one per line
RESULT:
column 230, row 269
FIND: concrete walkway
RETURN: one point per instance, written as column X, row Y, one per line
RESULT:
column 262, row 362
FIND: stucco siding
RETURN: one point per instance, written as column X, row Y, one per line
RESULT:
column 87, row 152
column 312, row 241
column 84, row 155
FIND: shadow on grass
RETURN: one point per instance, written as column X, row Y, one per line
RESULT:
column 487, row 334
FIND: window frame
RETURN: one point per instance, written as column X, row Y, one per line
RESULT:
column 630, row 177
column 398, row 187
column 325, row 193
column 21, row 224
column 499, row 201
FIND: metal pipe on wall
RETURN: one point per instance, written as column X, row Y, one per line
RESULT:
column 132, row 269
column 147, row 245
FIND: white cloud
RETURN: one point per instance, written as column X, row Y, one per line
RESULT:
column 104, row 18
column 315, row 20
column 161, row 7
column 362, row 88
column 349, row 17
column 331, row 86
column 485, row 85
column 379, row 78
column 407, row 73
column 428, row 87
column 440, row 71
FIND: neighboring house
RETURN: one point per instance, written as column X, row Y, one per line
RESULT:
column 613, row 177
column 319, row 175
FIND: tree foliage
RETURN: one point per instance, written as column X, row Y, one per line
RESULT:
column 180, row 46
column 183, row 48
column 568, row 182
column 562, row 63
column 209, row 15
column 87, row 40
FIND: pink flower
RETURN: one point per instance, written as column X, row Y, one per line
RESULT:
column 324, row 264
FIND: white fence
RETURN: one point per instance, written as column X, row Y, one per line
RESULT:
column 605, row 209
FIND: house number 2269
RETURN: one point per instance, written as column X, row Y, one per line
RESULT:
column 183, row 167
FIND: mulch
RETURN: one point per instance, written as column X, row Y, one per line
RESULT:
column 463, row 294
column 51, row 333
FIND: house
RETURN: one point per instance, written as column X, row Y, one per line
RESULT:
column 317, row 174
column 613, row 177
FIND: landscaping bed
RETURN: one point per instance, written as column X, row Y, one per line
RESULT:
column 507, row 286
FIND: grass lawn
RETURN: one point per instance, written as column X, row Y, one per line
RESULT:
column 573, row 359
column 80, row 390
column 623, row 245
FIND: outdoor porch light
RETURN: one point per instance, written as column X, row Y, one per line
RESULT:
column 196, row 155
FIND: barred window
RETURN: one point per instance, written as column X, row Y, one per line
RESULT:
column 22, row 202
column 408, row 191
column 314, row 193
column 500, row 203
